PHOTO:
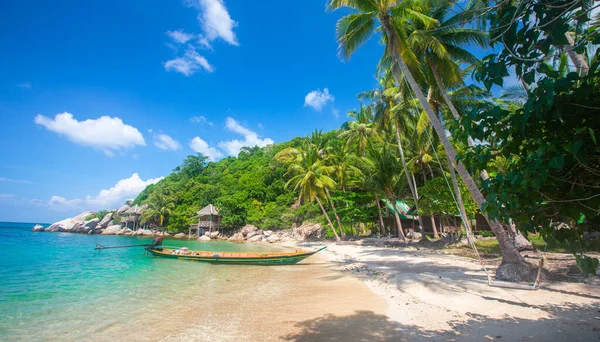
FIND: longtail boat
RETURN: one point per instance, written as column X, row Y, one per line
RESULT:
column 246, row 258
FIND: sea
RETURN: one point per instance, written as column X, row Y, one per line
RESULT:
column 55, row 286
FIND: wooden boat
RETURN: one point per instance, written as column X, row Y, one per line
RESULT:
column 246, row 258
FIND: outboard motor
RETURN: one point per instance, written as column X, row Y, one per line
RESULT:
column 157, row 244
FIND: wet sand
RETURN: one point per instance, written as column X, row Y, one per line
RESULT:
column 304, row 302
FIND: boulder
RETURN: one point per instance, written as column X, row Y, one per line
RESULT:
column 307, row 230
column 204, row 238
column 247, row 229
column 236, row 237
column 213, row 235
column 180, row 236
column 124, row 231
column 91, row 224
column 251, row 234
column 144, row 232
column 67, row 225
column 260, row 232
column 112, row 230
column 414, row 235
column 256, row 238
column 273, row 238
column 106, row 220
column 38, row 228
column 268, row 233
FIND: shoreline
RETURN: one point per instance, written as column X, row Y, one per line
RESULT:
column 435, row 297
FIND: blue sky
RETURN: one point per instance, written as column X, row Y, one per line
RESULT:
column 100, row 98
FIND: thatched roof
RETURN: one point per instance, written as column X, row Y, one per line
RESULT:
column 207, row 211
column 136, row 209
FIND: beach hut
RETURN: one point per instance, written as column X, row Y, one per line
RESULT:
column 132, row 215
column 209, row 220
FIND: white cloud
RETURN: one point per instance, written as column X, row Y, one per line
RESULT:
column 25, row 85
column 6, row 196
column 216, row 22
column 10, row 180
column 317, row 99
column 165, row 142
column 200, row 119
column 180, row 36
column 189, row 64
column 201, row 146
column 112, row 198
column 105, row 133
column 251, row 139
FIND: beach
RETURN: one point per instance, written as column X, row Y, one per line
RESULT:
column 62, row 289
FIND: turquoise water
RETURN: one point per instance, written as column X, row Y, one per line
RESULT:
column 54, row 286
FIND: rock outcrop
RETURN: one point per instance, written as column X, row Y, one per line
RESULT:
column 70, row 225
column 106, row 220
column 213, row 235
column 112, row 230
column 204, row 238
column 180, row 236
column 307, row 231
column 38, row 228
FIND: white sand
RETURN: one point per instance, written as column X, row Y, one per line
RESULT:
column 436, row 297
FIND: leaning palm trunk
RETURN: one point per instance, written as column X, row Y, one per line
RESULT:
column 337, row 217
column 518, row 240
column 513, row 267
column 459, row 200
column 432, row 218
column 381, row 224
column 398, row 222
column 337, row 238
column 410, row 184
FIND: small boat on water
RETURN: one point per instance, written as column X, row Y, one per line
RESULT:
column 250, row 258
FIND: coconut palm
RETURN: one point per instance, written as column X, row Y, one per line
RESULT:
column 360, row 130
column 159, row 208
column 388, row 17
column 311, row 177
column 385, row 177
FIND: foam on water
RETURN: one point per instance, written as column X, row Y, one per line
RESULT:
column 55, row 286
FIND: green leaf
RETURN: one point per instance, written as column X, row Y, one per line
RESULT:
column 557, row 162
column 593, row 135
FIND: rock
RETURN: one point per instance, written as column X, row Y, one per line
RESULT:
column 213, row 235
column 124, row 231
column 414, row 235
column 38, row 228
column 247, row 229
column 251, row 234
column 112, row 230
column 123, row 209
column 260, row 232
column 273, row 238
column 180, row 236
column 144, row 232
column 307, row 230
column 68, row 225
column 268, row 233
column 256, row 238
column 106, row 220
column 236, row 237
column 91, row 224
column 204, row 238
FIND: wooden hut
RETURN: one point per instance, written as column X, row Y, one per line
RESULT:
column 131, row 217
column 209, row 220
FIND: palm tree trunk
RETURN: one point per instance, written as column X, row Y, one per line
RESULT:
column 514, row 266
column 381, row 224
column 410, row 184
column 436, row 235
column 580, row 63
column 398, row 222
column 337, row 238
column 337, row 217
column 459, row 200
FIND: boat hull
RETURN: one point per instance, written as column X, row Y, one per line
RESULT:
column 231, row 258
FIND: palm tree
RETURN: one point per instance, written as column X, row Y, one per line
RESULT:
column 311, row 177
column 389, row 15
column 159, row 208
column 360, row 130
column 385, row 177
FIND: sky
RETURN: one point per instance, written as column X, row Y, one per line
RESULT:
column 98, row 99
